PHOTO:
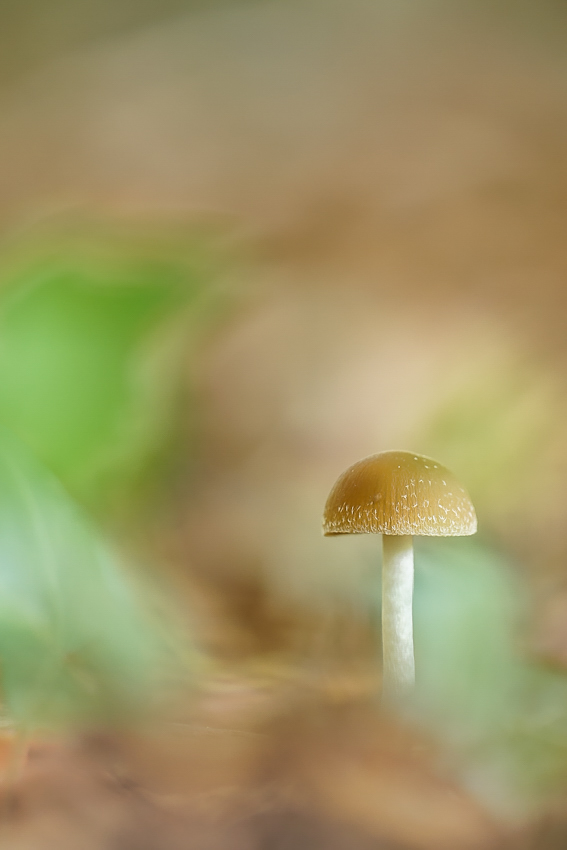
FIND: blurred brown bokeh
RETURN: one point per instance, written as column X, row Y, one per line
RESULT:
column 389, row 183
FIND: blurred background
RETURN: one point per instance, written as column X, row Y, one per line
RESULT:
column 242, row 246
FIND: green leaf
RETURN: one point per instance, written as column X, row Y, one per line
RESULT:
column 90, row 350
column 466, row 612
column 76, row 637
column 507, row 715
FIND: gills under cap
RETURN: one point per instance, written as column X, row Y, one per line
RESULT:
column 399, row 493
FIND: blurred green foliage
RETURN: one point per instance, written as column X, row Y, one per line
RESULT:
column 467, row 611
column 505, row 714
column 91, row 358
column 95, row 332
column 77, row 639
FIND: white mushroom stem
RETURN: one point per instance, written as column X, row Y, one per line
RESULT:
column 397, row 621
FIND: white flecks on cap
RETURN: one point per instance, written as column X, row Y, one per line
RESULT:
column 438, row 506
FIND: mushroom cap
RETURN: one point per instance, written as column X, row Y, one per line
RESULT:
column 399, row 493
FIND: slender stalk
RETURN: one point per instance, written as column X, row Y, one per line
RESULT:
column 398, row 676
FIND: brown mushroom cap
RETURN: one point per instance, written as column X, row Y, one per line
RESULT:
column 399, row 493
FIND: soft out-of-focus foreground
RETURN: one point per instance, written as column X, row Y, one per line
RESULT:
column 244, row 245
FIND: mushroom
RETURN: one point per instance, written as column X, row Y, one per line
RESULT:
column 398, row 494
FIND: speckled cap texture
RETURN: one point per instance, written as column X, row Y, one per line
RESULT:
column 399, row 493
